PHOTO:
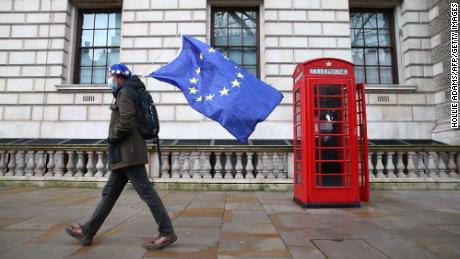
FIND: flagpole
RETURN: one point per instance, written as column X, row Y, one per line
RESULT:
column 162, row 51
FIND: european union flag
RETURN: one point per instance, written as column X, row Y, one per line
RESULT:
column 218, row 88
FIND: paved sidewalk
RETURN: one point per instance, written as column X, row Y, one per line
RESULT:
column 396, row 224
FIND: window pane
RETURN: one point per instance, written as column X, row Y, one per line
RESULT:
column 114, row 56
column 115, row 20
column 357, row 38
column 100, row 38
column 384, row 38
column 234, row 37
column 371, row 56
column 249, row 57
column 358, row 58
column 100, row 57
column 251, row 69
column 356, row 20
column 372, row 75
column 370, row 37
column 234, row 20
column 86, row 57
column 359, row 74
column 249, row 19
column 235, row 55
column 85, row 75
column 385, row 56
column 382, row 21
column 386, row 75
column 370, row 20
column 220, row 19
column 88, row 21
column 87, row 38
column 101, row 21
column 249, row 37
column 114, row 38
column 99, row 74
column 220, row 36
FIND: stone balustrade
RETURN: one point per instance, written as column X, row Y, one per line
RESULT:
column 222, row 164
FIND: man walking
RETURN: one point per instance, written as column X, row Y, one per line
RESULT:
column 128, row 156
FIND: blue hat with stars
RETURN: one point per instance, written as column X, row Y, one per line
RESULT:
column 119, row 69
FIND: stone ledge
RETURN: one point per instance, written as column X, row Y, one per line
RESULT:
column 99, row 88
column 390, row 88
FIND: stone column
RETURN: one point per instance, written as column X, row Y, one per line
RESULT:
column 228, row 165
column 452, row 166
column 186, row 167
column 390, row 165
column 400, row 165
column 59, row 160
column 2, row 162
column 12, row 163
column 260, row 166
column 239, row 166
column 270, row 167
column 379, row 166
column 165, row 165
column 196, row 166
column 249, row 166
column 50, row 165
column 442, row 166
column 175, row 165
column 40, row 167
column 218, row 166
column 80, row 165
column 30, row 163
column 410, row 165
column 20, row 163
column 207, row 165
column 90, row 165
column 70, row 166
column 100, row 164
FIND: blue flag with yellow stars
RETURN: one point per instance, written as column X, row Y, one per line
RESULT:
column 218, row 88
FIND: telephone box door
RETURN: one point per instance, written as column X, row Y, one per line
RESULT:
column 335, row 161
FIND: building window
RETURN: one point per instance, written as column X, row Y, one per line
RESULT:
column 98, row 45
column 372, row 44
column 235, row 33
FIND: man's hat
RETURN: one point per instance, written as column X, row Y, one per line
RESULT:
column 120, row 69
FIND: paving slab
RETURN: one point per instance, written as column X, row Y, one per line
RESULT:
column 395, row 224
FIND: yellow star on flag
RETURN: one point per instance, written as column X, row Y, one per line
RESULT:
column 209, row 97
column 193, row 80
column 199, row 99
column 201, row 55
column 211, row 50
column 239, row 75
column 198, row 70
column 235, row 83
column 193, row 90
column 224, row 91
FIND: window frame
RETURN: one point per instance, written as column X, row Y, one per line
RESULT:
column 215, row 9
column 394, row 61
column 78, row 47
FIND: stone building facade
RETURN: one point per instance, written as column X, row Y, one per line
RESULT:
column 43, row 96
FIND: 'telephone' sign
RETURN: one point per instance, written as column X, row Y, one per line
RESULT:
column 328, row 71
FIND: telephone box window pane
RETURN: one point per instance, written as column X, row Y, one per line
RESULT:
column 332, row 181
column 88, row 21
column 371, row 57
column 298, row 167
column 299, row 154
column 299, row 178
column 386, row 75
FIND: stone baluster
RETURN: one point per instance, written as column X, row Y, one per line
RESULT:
column 260, row 166
column 2, row 162
column 60, row 166
column 166, row 166
column 30, row 163
column 40, row 167
column 21, row 165
column 370, row 165
column 281, row 167
column 379, row 166
column 70, row 166
column 196, row 166
column 276, row 160
column 390, row 165
column 270, row 167
column 106, row 167
column 207, row 165
column 442, row 165
column 249, row 166
column 90, row 164
column 186, row 167
column 80, row 165
column 218, row 166
column 50, row 165
column 420, row 164
column 12, row 163
column 400, row 165
column 411, row 165
column 228, row 166
column 100, row 167
column 452, row 165
column 239, row 166
column 431, row 167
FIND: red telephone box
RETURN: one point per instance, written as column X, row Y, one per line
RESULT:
column 330, row 137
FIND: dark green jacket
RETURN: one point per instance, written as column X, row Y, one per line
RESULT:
column 126, row 146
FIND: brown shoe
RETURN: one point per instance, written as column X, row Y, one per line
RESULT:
column 77, row 233
column 160, row 242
